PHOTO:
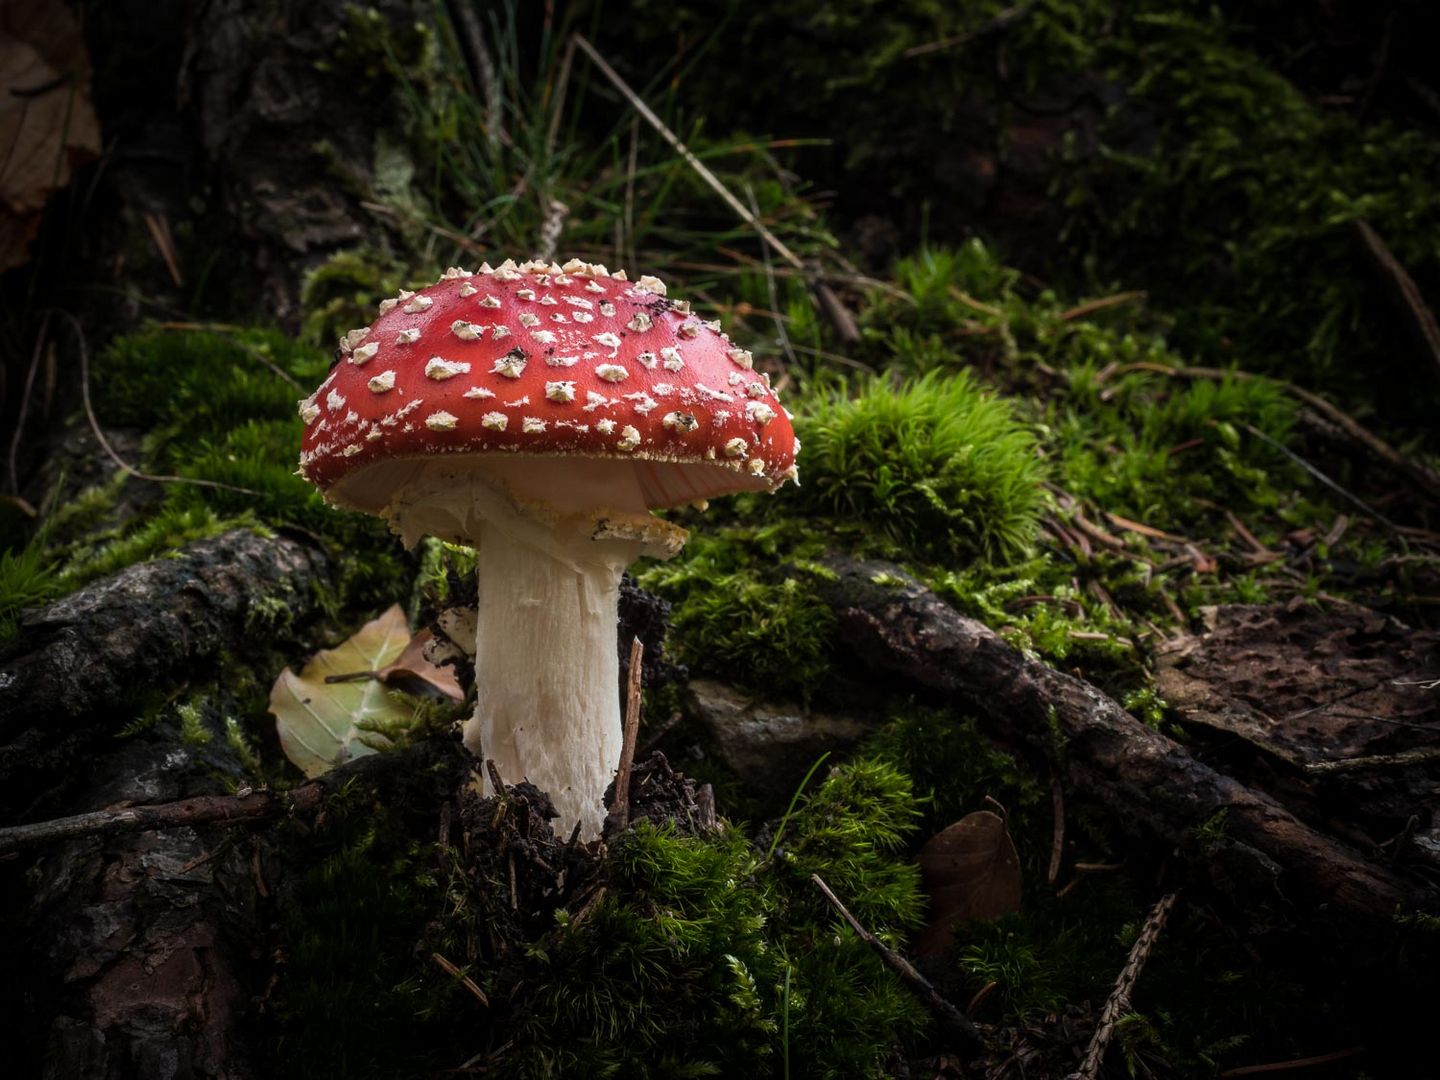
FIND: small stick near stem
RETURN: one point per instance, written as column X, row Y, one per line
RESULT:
column 620, row 811
column 638, row 104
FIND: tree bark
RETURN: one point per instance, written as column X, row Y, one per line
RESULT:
column 137, row 955
column 151, row 625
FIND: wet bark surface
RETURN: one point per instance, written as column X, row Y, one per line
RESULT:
column 1240, row 844
column 110, row 643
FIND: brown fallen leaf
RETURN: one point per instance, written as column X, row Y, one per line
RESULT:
column 972, row 874
column 322, row 721
column 413, row 672
column 47, row 124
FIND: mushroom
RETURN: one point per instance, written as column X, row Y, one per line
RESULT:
column 539, row 413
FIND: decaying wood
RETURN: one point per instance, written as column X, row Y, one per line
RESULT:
column 201, row 810
column 88, row 650
column 87, row 654
column 1242, row 844
column 140, row 952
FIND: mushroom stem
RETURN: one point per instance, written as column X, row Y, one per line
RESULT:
column 552, row 541
column 547, row 673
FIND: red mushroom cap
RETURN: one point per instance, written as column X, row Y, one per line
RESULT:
column 545, row 360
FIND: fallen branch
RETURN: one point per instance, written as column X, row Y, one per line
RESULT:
column 1242, row 843
column 84, row 652
column 419, row 763
column 966, row 1038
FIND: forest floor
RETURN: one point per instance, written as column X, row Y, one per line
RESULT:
column 1075, row 715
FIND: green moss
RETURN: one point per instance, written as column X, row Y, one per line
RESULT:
column 732, row 618
column 241, row 746
column 160, row 534
column 342, row 292
column 682, row 969
column 218, row 407
column 193, row 731
column 350, row 923
column 938, row 464
column 25, row 581
column 1038, row 607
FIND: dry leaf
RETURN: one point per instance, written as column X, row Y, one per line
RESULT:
column 415, row 674
column 322, row 724
column 971, row 873
column 47, row 125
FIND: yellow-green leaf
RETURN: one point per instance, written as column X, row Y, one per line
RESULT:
column 323, row 724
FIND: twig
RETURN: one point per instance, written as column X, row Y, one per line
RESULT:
column 454, row 972
column 638, row 104
column 1422, row 476
column 967, row 1039
column 1404, row 292
column 1359, row 503
column 620, row 811
column 40, row 339
column 165, row 243
column 1401, row 760
column 838, row 314
column 1119, row 1001
column 201, row 810
column 121, row 463
column 1297, row 1063
column 975, row 305
column 1089, row 307
column 494, row 773
column 472, row 41
column 1144, row 530
column 998, row 23
column 1245, row 534
column 1057, row 844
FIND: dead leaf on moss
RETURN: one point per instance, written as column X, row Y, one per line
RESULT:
column 322, row 724
column 972, row 874
column 47, row 125
column 414, row 673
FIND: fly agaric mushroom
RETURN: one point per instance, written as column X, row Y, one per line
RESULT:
column 538, row 413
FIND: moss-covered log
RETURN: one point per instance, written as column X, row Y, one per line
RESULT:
column 1241, row 844
column 152, row 624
